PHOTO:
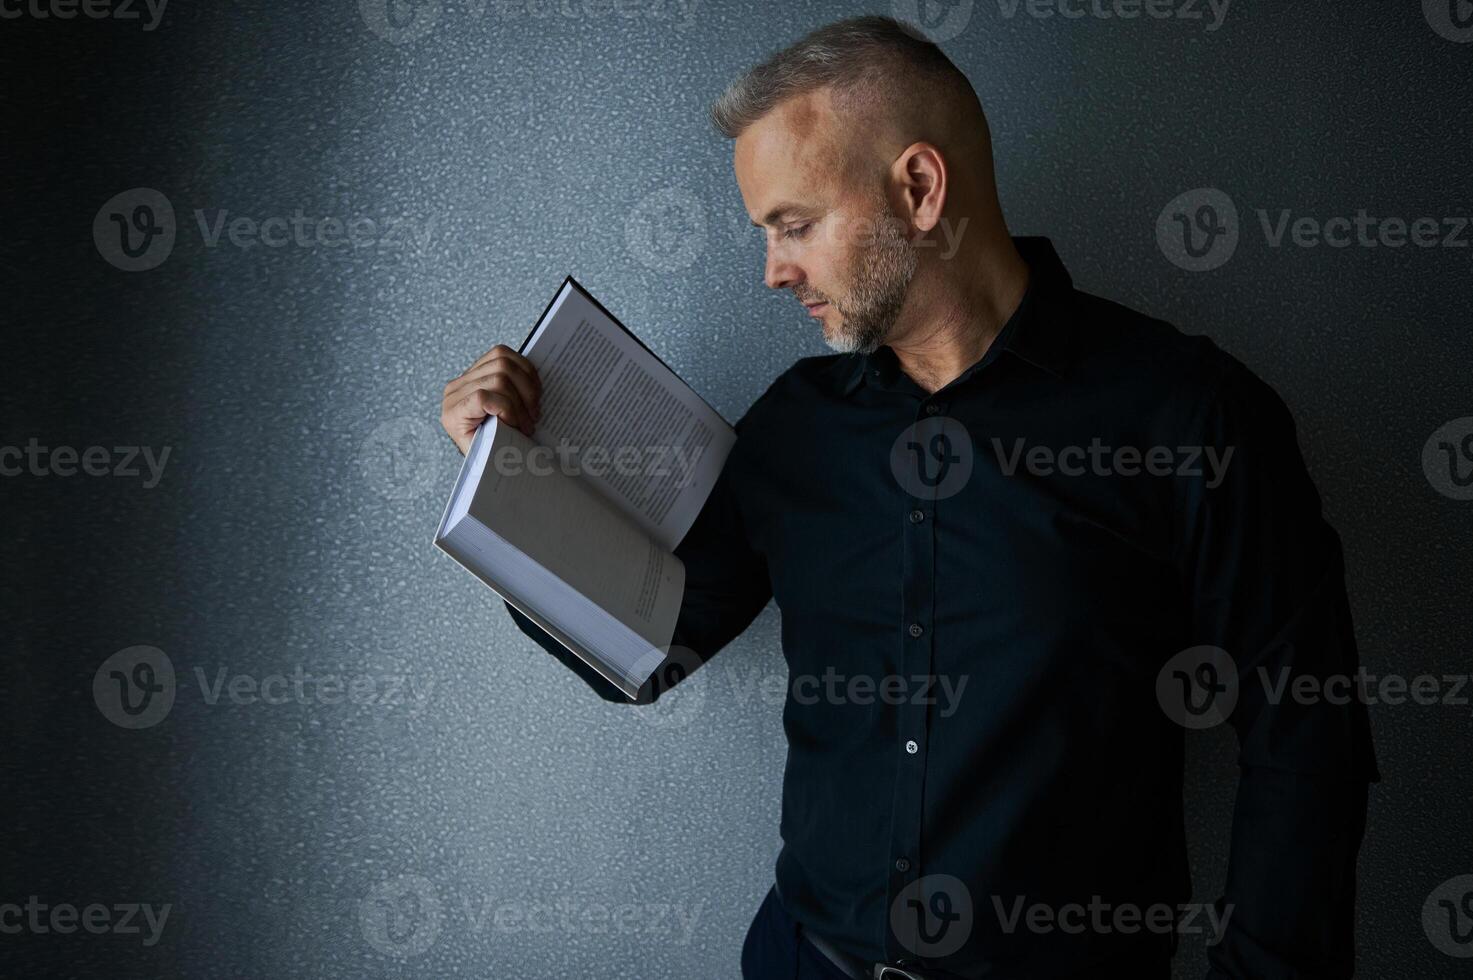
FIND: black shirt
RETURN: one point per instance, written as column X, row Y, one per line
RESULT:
column 1003, row 604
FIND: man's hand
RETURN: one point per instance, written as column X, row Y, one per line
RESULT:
column 502, row 383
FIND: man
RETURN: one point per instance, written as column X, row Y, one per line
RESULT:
column 1021, row 538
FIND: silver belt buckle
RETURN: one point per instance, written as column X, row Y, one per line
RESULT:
column 885, row 972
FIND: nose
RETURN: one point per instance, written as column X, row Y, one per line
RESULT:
column 780, row 273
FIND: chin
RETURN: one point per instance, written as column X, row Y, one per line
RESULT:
column 839, row 340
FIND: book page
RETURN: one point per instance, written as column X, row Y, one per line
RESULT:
column 621, row 420
column 576, row 535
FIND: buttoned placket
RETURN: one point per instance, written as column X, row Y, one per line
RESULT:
column 918, row 572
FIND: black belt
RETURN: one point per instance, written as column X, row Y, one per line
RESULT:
column 858, row 969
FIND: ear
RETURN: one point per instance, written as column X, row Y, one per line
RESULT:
column 919, row 175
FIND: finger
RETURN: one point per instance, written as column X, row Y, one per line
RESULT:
column 498, row 398
column 501, row 352
column 525, row 386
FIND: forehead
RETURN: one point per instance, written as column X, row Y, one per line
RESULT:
column 790, row 154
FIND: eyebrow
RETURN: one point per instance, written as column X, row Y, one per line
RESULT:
column 785, row 208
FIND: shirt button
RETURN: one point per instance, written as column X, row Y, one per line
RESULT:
column 915, row 629
column 916, row 516
column 912, row 747
column 901, row 864
column 932, row 408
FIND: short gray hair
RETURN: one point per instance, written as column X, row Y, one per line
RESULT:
column 854, row 57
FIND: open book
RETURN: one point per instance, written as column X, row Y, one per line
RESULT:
column 576, row 527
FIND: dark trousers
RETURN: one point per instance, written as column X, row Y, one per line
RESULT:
column 774, row 950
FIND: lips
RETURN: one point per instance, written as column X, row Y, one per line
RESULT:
column 816, row 309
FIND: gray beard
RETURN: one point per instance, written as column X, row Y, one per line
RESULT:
column 881, row 279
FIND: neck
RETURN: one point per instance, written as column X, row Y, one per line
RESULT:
column 956, row 309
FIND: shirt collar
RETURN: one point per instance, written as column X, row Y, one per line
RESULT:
column 1034, row 333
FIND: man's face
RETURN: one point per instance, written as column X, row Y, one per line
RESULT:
column 836, row 246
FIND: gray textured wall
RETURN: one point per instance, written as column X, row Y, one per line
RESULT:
column 295, row 388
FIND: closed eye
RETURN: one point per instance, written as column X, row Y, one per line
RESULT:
column 798, row 231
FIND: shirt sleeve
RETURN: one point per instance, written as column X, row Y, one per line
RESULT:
column 726, row 586
column 1266, row 578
